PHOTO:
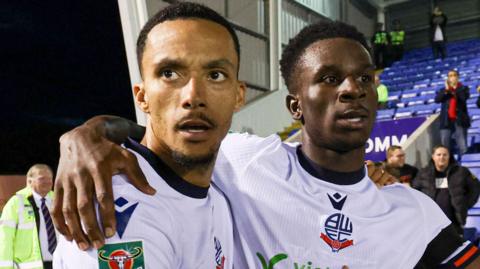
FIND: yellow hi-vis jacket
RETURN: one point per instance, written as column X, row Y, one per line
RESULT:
column 19, row 242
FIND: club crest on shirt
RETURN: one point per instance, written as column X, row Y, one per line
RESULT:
column 338, row 231
column 219, row 257
column 124, row 255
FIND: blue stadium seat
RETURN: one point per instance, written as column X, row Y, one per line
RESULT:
column 474, row 170
column 427, row 109
column 393, row 96
column 473, row 219
column 385, row 114
column 474, row 114
column 475, row 164
column 415, row 101
column 410, row 94
column 470, row 233
column 428, row 91
column 405, row 112
column 471, row 157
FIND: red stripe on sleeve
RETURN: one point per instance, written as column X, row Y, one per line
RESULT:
column 465, row 256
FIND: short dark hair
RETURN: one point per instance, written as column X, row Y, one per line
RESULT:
column 309, row 35
column 183, row 10
column 440, row 146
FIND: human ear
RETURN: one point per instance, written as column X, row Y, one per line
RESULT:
column 294, row 106
column 141, row 97
column 240, row 99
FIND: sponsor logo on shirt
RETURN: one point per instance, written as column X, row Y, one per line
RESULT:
column 123, row 211
column 337, row 200
column 271, row 262
column 219, row 257
column 124, row 255
column 281, row 259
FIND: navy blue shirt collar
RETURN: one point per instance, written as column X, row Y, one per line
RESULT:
column 339, row 178
column 163, row 170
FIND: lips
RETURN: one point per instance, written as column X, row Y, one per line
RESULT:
column 195, row 129
column 194, row 125
column 353, row 119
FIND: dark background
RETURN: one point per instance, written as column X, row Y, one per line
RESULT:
column 61, row 62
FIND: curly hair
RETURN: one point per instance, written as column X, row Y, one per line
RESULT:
column 318, row 31
column 183, row 10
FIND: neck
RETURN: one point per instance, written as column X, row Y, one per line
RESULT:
column 349, row 161
column 198, row 176
column 441, row 168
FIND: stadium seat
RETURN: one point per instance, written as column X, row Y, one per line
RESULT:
column 404, row 112
column 415, row 101
column 385, row 114
column 475, row 164
column 475, row 124
column 471, row 157
column 427, row 109
column 474, row 170
column 470, row 233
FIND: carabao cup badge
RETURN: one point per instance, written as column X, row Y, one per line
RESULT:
column 124, row 255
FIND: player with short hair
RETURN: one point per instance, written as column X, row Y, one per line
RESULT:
column 189, row 57
column 312, row 205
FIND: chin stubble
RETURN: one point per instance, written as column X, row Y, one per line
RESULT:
column 196, row 162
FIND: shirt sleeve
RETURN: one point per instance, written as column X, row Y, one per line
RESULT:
column 445, row 248
column 68, row 256
column 161, row 255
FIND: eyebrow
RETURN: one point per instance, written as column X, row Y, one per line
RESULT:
column 171, row 63
column 334, row 68
column 219, row 63
column 177, row 64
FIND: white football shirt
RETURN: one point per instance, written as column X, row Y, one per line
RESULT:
column 181, row 226
column 285, row 217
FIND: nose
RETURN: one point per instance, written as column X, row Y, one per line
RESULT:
column 350, row 90
column 194, row 94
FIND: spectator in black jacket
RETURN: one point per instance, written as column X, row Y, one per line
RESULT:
column 438, row 21
column 454, row 114
column 452, row 186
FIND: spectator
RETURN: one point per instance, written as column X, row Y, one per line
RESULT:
column 380, row 43
column 396, row 166
column 438, row 21
column 27, row 235
column 397, row 39
column 382, row 92
column 452, row 186
column 454, row 114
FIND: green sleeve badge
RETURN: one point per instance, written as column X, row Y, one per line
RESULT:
column 124, row 255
